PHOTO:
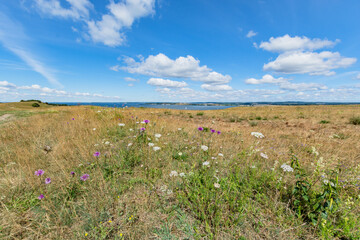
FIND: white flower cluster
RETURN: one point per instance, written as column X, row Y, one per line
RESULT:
column 121, row 124
column 207, row 163
column 263, row 155
column 205, row 148
column 151, row 144
column 157, row 135
column 257, row 134
column 173, row 174
column 287, row 168
column 156, row 148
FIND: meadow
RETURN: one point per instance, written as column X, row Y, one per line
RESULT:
column 262, row 172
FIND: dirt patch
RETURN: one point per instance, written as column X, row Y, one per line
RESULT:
column 5, row 116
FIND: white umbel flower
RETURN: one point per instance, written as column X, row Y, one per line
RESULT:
column 204, row 148
column 287, row 168
column 173, row 174
column 257, row 134
column 156, row 148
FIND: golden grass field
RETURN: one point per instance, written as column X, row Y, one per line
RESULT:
column 131, row 195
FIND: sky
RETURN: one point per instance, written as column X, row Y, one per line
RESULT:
column 180, row 51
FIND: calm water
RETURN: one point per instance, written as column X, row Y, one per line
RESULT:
column 202, row 106
column 146, row 105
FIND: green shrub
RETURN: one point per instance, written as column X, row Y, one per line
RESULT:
column 35, row 105
column 355, row 120
column 200, row 114
column 324, row 122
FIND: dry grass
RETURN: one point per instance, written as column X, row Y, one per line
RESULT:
column 124, row 197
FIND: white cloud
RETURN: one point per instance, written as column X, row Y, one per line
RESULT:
column 312, row 63
column 265, row 79
column 130, row 84
column 159, row 82
column 182, row 67
column 14, row 39
column 36, row 90
column 221, row 87
column 251, row 34
column 129, row 79
column 287, row 43
column 122, row 15
column 302, row 86
column 78, row 8
column 358, row 76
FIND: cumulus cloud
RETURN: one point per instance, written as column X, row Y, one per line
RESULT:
column 265, row 79
column 78, row 8
column 251, row 34
column 183, row 67
column 159, row 82
column 302, row 86
column 121, row 15
column 10, row 88
column 297, row 56
column 221, row 87
column 312, row 63
column 129, row 79
column 287, row 43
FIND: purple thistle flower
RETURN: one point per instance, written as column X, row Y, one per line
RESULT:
column 84, row 177
column 73, row 119
column 96, row 154
column 72, row 173
column 200, row 128
column 218, row 132
column 41, row 196
column 47, row 180
column 213, row 130
column 146, row 121
column 142, row 129
column 39, row 172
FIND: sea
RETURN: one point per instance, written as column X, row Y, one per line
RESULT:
column 197, row 105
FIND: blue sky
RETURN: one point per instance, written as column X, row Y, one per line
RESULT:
column 179, row 51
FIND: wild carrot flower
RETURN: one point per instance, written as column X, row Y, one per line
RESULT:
column 173, row 174
column 84, row 177
column 287, row 168
column 200, row 128
column 121, row 124
column 263, row 155
column 182, row 174
column 216, row 185
column 204, row 148
column 156, row 148
column 151, row 144
column 207, row 163
column 157, row 135
column 41, row 196
column 47, row 180
column 257, row 134
column 39, row 172
column 96, row 154
column 221, row 155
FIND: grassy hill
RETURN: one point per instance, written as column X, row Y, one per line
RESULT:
column 269, row 172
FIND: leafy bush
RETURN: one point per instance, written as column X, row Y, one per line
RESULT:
column 324, row 122
column 355, row 120
column 35, row 105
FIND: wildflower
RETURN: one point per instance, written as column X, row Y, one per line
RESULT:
column 169, row 192
column 257, row 135
column 146, row 121
column 131, row 129
column 218, row 132
column 41, row 196
column 221, row 155
column 130, row 144
column 182, row 174
column 96, row 154
column 263, row 155
column 213, row 130
column 204, row 148
column 142, row 129
column 121, row 124
column 151, row 144
column 72, row 173
column 200, row 128
column 86, row 234
column 207, row 163
column 39, row 172
column 84, row 177
column 73, row 119
column 94, row 129
column 287, row 168
column 156, row 148
column 47, row 180
column 216, row 185
column 173, row 174
column 157, row 135
column 180, row 153
column 253, row 166
column 107, row 143
column 179, row 129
